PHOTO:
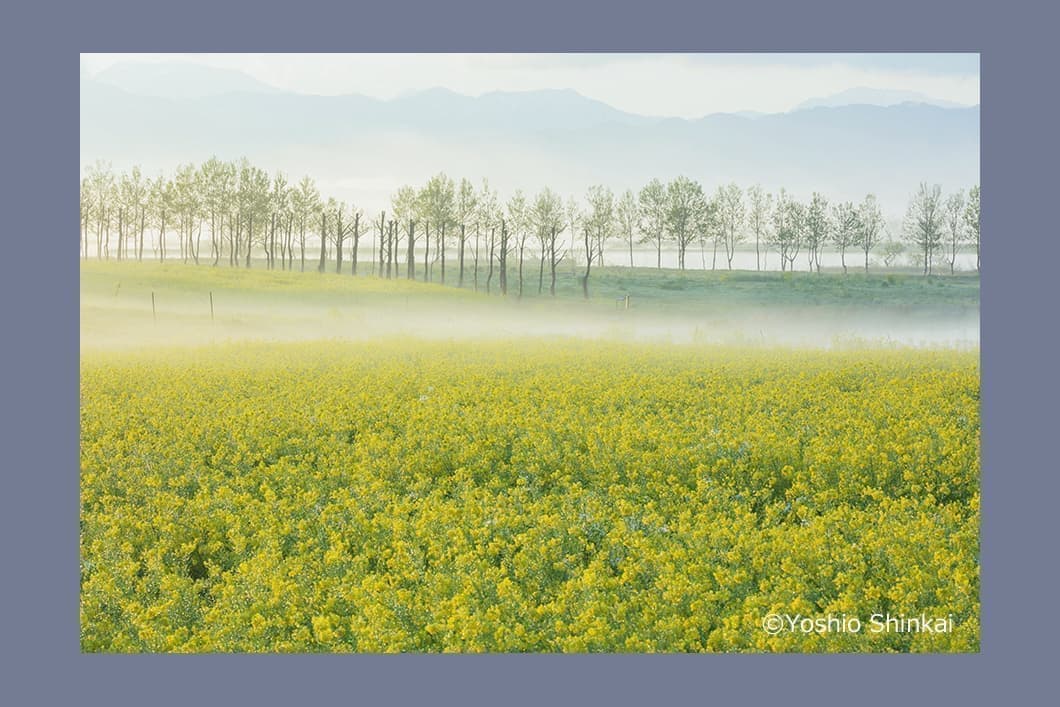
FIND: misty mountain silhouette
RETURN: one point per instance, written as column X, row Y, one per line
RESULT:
column 863, row 95
column 179, row 79
column 534, row 138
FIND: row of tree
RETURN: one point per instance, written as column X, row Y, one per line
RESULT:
column 235, row 209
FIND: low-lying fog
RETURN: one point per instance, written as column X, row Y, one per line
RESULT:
column 123, row 322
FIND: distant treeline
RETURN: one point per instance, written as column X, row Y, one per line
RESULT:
column 236, row 210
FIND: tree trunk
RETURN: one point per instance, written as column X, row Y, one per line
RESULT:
column 658, row 253
column 384, row 236
column 411, row 264
column 356, row 243
column 426, row 251
column 235, row 237
column 215, row 247
column 99, row 231
column 476, row 257
column 504, row 259
column 391, row 249
column 121, row 231
column 290, row 241
column 198, row 237
column 463, row 240
column 250, row 238
column 143, row 227
column 322, row 264
column 271, row 255
column 441, row 249
column 521, row 251
column 219, row 240
column 283, row 247
column 552, row 262
column 588, row 266
column 340, row 236
column 489, row 274
column 541, row 273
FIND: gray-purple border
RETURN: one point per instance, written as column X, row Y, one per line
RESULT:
column 38, row 570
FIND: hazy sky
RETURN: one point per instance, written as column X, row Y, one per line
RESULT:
column 684, row 85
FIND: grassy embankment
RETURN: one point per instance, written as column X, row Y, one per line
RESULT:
column 116, row 305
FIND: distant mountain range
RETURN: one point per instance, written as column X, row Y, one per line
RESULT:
column 874, row 97
column 362, row 148
column 179, row 80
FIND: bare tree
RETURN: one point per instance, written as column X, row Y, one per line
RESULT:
column 845, row 231
column 504, row 246
column 971, row 221
column 627, row 218
column 253, row 198
column 305, row 201
column 339, row 230
column 870, row 226
column 817, row 231
column 100, row 182
column 599, row 225
column 356, row 235
column 758, row 218
column 924, row 222
column 437, row 209
column 139, row 201
column 953, row 217
column 187, row 207
column 382, row 253
column 489, row 214
column 86, row 211
column 891, row 250
column 217, row 183
column 731, row 214
column 653, row 205
column 573, row 213
column 788, row 224
column 518, row 231
column 486, row 215
column 279, row 205
column 548, row 218
column 404, row 206
column 323, row 239
column 466, row 204
column 685, row 214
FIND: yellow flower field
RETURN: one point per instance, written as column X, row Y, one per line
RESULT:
column 525, row 495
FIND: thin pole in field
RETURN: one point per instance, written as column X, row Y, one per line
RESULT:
column 211, row 306
column 154, row 315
